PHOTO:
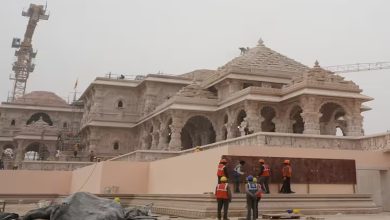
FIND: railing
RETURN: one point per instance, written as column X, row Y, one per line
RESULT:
column 380, row 142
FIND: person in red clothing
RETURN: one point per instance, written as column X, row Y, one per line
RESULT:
column 222, row 170
column 286, row 173
column 224, row 197
column 264, row 175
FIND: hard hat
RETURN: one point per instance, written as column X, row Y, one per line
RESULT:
column 261, row 161
column 286, row 161
column 254, row 179
column 223, row 160
column 249, row 178
column 117, row 200
column 223, row 179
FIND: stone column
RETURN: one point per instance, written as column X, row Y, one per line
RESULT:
column 281, row 125
column 253, row 117
column 19, row 153
column 312, row 122
column 354, row 125
column 162, row 142
column 155, row 139
column 176, row 126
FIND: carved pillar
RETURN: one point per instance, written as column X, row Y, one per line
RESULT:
column 354, row 125
column 312, row 122
column 281, row 125
column 163, row 139
column 19, row 153
column 155, row 139
column 176, row 126
column 310, row 116
column 253, row 117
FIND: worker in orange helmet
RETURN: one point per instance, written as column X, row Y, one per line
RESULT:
column 264, row 175
column 222, row 169
column 224, row 197
column 286, row 173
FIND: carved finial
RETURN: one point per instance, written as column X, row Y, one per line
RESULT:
column 260, row 42
column 316, row 64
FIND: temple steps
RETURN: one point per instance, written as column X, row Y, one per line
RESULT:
column 204, row 206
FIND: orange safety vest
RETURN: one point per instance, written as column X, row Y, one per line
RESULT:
column 222, row 191
column 266, row 171
column 220, row 171
column 286, row 171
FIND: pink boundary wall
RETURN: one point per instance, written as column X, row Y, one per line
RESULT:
column 193, row 173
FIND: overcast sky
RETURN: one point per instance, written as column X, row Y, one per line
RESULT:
column 88, row 38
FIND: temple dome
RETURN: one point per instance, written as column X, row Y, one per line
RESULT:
column 264, row 58
column 42, row 98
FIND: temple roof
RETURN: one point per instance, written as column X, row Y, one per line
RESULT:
column 199, row 75
column 264, row 58
column 42, row 98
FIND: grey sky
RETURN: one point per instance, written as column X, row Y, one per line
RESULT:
column 89, row 38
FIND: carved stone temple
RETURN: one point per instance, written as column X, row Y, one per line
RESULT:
column 259, row 91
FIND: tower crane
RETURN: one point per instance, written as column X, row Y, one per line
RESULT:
column 25, row 54
column 358, row 67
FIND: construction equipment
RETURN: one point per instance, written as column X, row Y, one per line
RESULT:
column 357, row 67
column 25, row 54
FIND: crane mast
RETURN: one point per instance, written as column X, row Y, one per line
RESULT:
column 357, row 67
column 25, row 54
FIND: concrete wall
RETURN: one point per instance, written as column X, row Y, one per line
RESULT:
column 34, row 182
column 129, row 177
column 190, row 173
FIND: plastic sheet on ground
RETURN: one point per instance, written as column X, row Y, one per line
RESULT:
column 86, row 206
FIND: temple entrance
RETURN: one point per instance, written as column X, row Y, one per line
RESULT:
column 268, row 113
column 36, row 151
column 197, row 131
column 332, row 121
column 298, row 126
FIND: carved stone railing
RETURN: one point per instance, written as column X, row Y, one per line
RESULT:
column 145, row 155
column 52, row 165
column 380, row 142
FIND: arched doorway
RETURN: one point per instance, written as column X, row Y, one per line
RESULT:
column 8, row 152
column 332, row 121
column 298, row 126
column 36, row 151
column 40, row 115
column 197, row 131
column 268, row 113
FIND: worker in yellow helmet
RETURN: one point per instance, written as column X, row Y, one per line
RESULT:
column 224, row 197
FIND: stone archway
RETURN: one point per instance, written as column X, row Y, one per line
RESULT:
column 197, row 131
column 40, row 116
column 268, row 114
column 297, row 123
column 333, row 117
column 36, row 151
column 8, row 152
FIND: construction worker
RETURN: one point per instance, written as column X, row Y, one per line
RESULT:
column 264, row 175
column 251, row 190
column 286, row 173
column 259, row 195
column 222, row 169
column 224, row 197
column 237, row 173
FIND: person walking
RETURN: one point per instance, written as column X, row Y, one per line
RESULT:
column 222, row 170
column 264, row 175
column 251, row 189
column 224, row 197
column 286, row 173
column 237, row 173
column 259, row 195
